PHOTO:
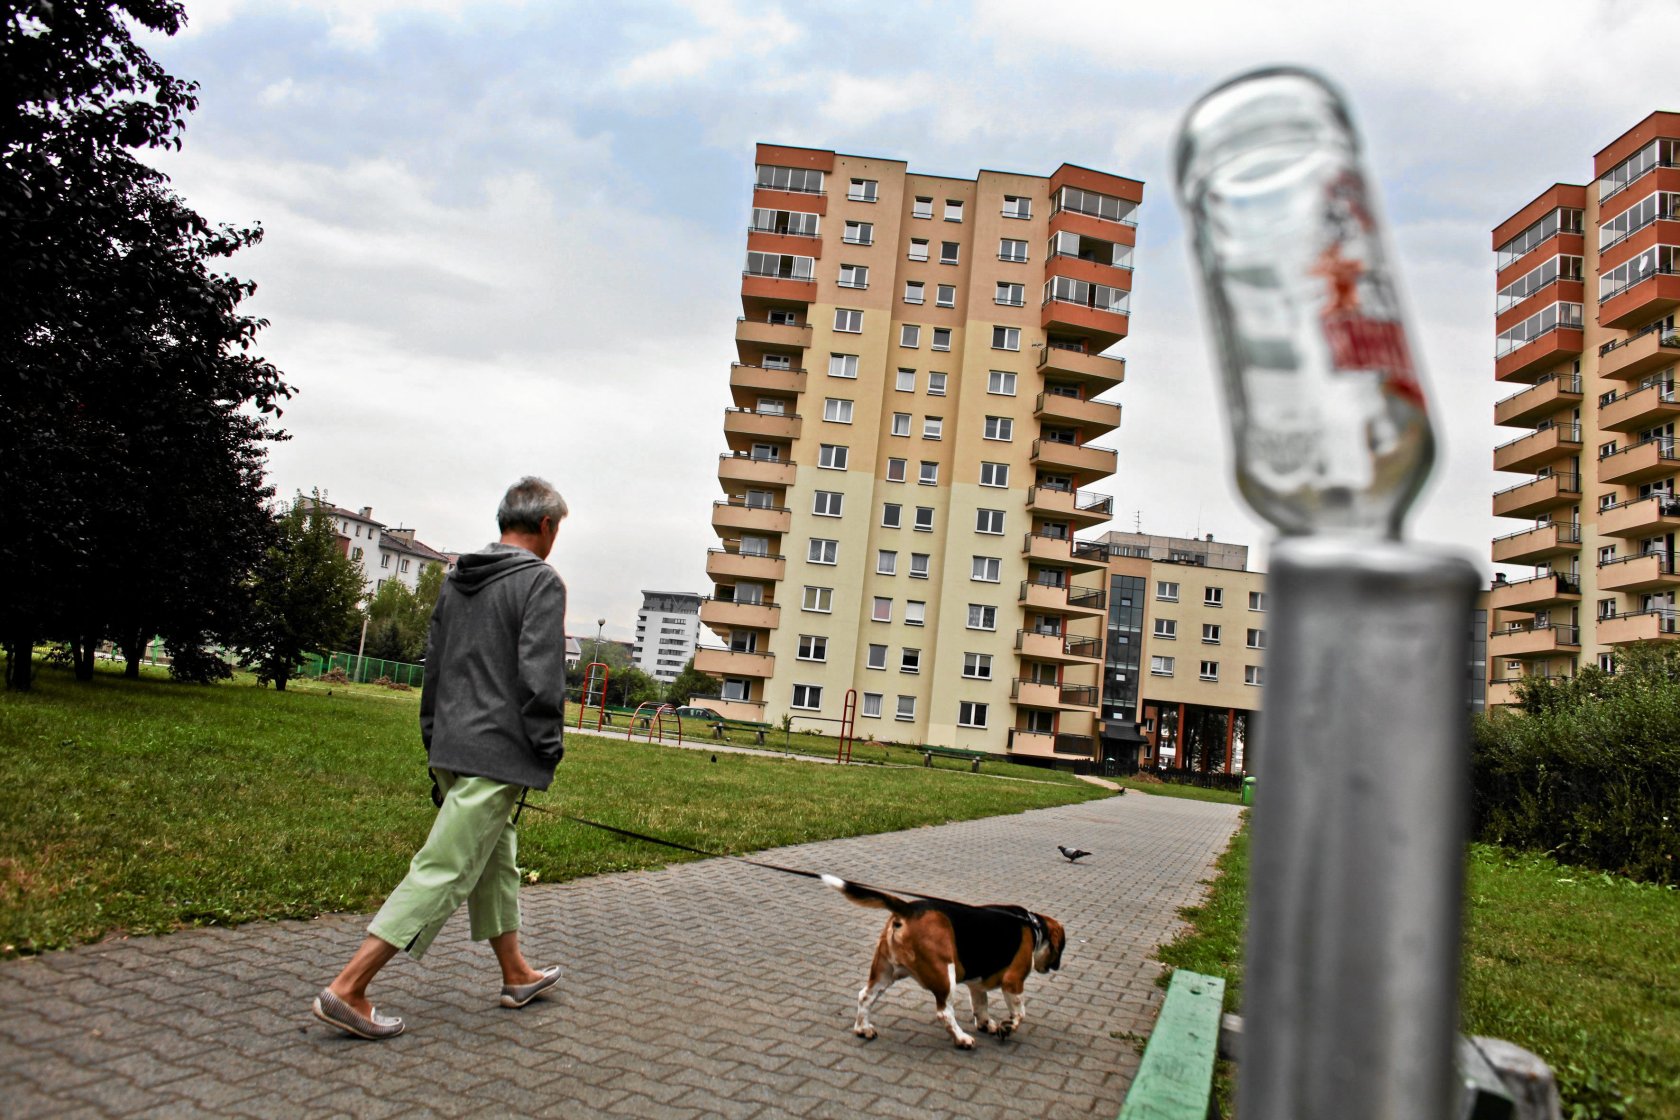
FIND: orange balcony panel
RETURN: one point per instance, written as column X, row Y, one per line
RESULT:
column 1097, row 373
column 1087, row 463
column 1031, row 694
column 1663, row 231
column 746, row 424
column 766, row 199
column 721, row 614
column 1081, row 507
column 759, row 241
column 1642, row 462
column 1646, row 626
column 1656, row 179
column 1054, row 648
column 1530, row 546
column 1639, row 355
column 1536, row 641
column 780, row 288
column 732, row 518
column 1528, row 361
column 733, row 663
column 1556, row 196
column 1531, row 452
column 1655, row 516
column 1104, row 327
column 1500, row 694
column 1559, row 244
column 1093, row 418
column 1641, row 302
column 1092, row 271
column 1526, row 595
column 1082, row 601
column 1032, row 744
column 1062, row 552
column 1066, row 221
column 724, row 566
column 1537, row 496
column 747, row 711
column 744, row 469
column 753, row 379
column 1642, row 408
column 1650, row 572
column 1524, row 407
column 751, row 334
column 1558, row 291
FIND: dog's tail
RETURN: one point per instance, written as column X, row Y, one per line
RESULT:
column 868, row 896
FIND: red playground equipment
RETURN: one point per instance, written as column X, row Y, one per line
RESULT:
column 653, row 716
column 847, row 721
column 594, row 694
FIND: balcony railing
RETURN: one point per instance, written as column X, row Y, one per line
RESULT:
column 738, row 552
column 1072, row 646
column 1566, row 585
column 1566, row 433
column 1670, row 339
column 782, row 232
column 1664, row 447
column 1083, row 745
column 1568, row 634
column 740, row 501
column 1568, row 483
column 1664, row 565
column 1571, row 384
column 1604, row 296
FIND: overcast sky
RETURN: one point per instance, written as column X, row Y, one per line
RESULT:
column 506, row 238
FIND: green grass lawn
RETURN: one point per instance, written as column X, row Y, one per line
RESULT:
column 1581, row 967
column 1181, row 789
column 140, row 806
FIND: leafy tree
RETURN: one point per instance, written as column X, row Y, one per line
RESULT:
column 304, row 591
column 630, row 686
column 398, row 618
column 691, row 683
column 133, row 411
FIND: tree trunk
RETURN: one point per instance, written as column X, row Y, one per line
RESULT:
column 81, row 655
column 133, row 649
column 20, row 664
column 280, row 676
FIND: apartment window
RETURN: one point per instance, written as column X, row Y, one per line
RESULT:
column 892, row 515
column 1166, row 628
column 909, row 660
column 986, row 569
column 1607, row 662
column 953, row 209
column 936, row 384
column 819, row 599
column 982, row 617
column 886, row 562
column 918, row 248
column 356, row 553
column 924, row 519
column 933, row 427
column 896, row 468
column 859, row 233
column 1606, row 554
column 807, row 696
column 906, row 708
column 876, row 658
column 848, row 321
column 1256, row 639
column 948, row 251
column 1010, row 249
column 1000, row 382
column 837, row 410
column 823, row 551
column 880, row 609
column 909, row 336
column 1252, row 674
column 832, row 457
column 945, row 295
column 813, row 647
column 915, row 291
column 1210, row 670
column 783, row 266
column 919, row 565
column 1011, row 295
column 1160, row 666
column 906, row 381
column 827, row 503
column 1004, row 338
column 854, row 276
column 801, row 179
column 977, row 666
column 782, row 317
column 988, row 521
column 871, row 706
column 942, row 338
column 1606, row 608
column 1166, row 591
column 385, row 560
column 1256, row 600
column 901, row 423
column 971, row 714
column 1017, row 206
column 1000, row 428
column 1211, row 633
column 929, row 475
column 862, row 190
column 994, row 474
column 737, row 688
column 922, row 207
column 1213, row 597
column 776, row 361
column 843, row 365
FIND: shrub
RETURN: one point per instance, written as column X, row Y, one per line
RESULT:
column 193, row 664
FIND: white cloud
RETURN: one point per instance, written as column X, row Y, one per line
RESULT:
column 729, row 34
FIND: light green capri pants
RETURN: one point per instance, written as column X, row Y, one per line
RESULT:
column 469, row 857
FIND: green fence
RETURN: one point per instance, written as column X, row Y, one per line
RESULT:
column 364, row 670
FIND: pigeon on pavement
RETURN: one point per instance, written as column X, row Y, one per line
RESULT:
column 1073, row 854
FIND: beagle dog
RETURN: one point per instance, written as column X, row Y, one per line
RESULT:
column 943, row 944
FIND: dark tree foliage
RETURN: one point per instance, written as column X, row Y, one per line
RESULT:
column 691, row 683
column 133, row 412
column 302, row 595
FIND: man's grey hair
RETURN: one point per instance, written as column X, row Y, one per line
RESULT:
column 526, row 503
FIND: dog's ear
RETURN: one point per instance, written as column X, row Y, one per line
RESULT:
column 1057, row 937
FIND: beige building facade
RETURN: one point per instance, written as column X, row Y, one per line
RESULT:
column 919, row 362
column 1588, row 280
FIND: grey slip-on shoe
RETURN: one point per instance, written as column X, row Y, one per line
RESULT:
column 336, row 1013
column 518, row 995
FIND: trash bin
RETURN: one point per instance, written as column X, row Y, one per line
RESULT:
column 1248, row 790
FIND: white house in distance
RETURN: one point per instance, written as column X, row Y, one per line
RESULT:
column 667, row 631
column 382, row 553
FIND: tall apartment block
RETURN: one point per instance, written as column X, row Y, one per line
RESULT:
column 667, row 633
column 1587, row 289
column 915, row 405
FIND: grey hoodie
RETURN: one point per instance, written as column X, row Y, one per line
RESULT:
column 493, row 703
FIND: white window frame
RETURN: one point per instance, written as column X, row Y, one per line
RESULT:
column 900, row 424
column 924, row 519
column 933, row 427
column 870, row 708
column 1256, row 600
column 983, row 518
column 945, row 295
column 870, row 658
column 909, row 660
column 886, row 562
column 977, row 666
column 936, row 383
column 848, row 320
column 1166, row 590
column 986, row 569
column 982, row 617
column 892, row 515
column 821, row 550
column 928, row 473
column 918, row 249
column 1010, row 295
column 994, row 474
column 905, row 381
column 832, row 456
column 1256, row 638
column 1000, row 429
column 906, row 710
column 920, row 571
column 1213, row 597
column 1000, row 383
column 1010, row 338
column 915, row 291
column 807, row 697
column 910, row 335
column 950, row 252
column 812, row 647
column 1209, row 671
column 1166, row 629
column 1007, row 251
column 858, row 233
column 953, row 209
column 827, row 503
column 972, row 713
column 941, row 339
column 837, row 410
column 817, row 600
column 897, row 470
column 1254, row 675
column 1212, row 633
column 853, row 276
column 843, row 365
column 880, row 608
column 1017, row 206
column 921, row 206
column 1161, row 665
column 863, row 190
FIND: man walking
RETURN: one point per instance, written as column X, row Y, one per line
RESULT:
column 491, row 716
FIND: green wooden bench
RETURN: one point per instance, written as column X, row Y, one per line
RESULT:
column 1175, row 1080
column 971, row 757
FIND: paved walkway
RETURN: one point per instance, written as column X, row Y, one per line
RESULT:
column 709, row 989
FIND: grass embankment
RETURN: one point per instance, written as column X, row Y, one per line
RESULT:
column 141, row 806
column 1581, row 967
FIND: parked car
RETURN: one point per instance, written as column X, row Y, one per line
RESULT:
column 706, row 714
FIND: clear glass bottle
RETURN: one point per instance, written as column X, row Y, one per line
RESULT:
column 1330, row 429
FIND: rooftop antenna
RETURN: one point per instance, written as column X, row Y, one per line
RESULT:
column 1137, row 522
